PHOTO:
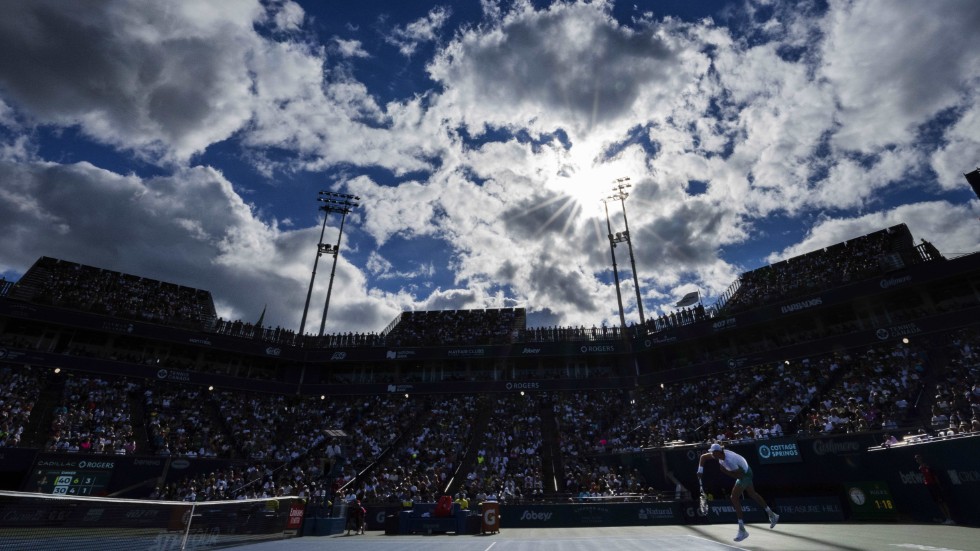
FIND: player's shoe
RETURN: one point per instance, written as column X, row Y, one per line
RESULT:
column 773, row 519
column 742, row 534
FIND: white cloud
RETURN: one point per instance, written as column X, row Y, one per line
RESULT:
column 939, row 222
column 570, row 66
column 350, row 48
column 289, row 17
column 162, row 81
column 190, row 228
column 894, row 67
column 535, row 112
column 961, row 151
column 426, row 29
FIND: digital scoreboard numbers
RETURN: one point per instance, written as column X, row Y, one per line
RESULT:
column 871, row 501
column 83, row 482
column 67, row 476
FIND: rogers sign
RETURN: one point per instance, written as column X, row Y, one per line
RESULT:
column 597, row 348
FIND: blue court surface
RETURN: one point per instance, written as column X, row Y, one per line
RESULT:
column 786, row 537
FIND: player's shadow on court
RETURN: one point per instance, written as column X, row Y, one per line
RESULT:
column 830, row 544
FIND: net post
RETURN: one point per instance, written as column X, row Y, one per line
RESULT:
column 187, row 531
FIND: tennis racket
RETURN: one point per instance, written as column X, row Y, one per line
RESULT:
column 703, row 501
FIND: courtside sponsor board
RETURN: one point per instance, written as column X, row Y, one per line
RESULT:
column 809, row 509
column 590, row 514
column 778, row 451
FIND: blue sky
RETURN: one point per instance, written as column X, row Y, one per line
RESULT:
column 187, row 141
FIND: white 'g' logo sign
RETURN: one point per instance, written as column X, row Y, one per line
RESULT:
column 489, row 517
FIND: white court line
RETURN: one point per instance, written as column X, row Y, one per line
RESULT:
column 718, row 542
column 924, row 547
column 491, row 545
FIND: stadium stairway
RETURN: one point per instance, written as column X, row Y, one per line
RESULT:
column 31, row 283
column 920, row 411
column 138, row 422
column 551, row 462
column 481, row 421
column 214, row 411
column 38, row 428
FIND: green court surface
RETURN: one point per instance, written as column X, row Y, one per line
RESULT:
column 786, row 537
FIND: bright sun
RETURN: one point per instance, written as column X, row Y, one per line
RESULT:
column 584, row 179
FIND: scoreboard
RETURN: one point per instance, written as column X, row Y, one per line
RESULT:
column 73, row 483
column 871, row 501
column 71, row 477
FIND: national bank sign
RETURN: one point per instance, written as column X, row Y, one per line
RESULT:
column 778, row 451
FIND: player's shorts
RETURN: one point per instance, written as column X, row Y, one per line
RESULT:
column 745, row 481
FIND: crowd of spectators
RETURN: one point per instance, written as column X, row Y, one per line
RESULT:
column 280, row 428
column 840, row 264
column 70, row 285
column 392, row 448
column 282, row 336
column 508, row 463
column 422, row 461
column 681, row 316
column 956, row 406
column 571, row 333
column 584, row 420
column 395, row 448
column 94, row 416
column 456, row 327
column 250, row 481
column 19, row 390
column 874, row 391
column 180, row 422
column 79, row 287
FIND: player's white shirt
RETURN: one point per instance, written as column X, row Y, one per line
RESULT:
column 734, row 461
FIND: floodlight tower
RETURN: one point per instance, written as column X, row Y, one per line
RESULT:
column 341, row 204
column 330, row 201
column 319, row 251
column 619, row 192
column 612, row 249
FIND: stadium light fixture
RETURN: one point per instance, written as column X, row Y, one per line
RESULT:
column 620, row 187
column 341, row 204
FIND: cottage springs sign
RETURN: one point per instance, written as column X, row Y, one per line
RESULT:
column 778, row 451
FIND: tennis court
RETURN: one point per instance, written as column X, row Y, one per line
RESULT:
column 786, row 537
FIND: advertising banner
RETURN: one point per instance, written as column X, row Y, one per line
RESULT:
column 375, row 517
column 808, row 509
column 489, row 517
column 295, row 520
column 722, row 511
column 783, row 450
column 591, row 514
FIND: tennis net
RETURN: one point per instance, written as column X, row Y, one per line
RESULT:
column 41, row 522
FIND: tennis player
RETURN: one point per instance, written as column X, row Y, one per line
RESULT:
column 735, row 466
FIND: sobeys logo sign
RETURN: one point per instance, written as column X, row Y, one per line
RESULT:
column 535, row 515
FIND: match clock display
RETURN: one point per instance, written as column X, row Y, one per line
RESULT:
column 870, row 501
